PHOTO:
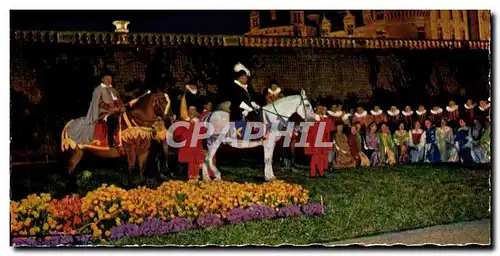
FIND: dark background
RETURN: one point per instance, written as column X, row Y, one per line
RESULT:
column 66, row 74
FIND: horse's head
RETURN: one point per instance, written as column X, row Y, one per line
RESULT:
column 305, row 109
column 161, row 103
column 152, row 106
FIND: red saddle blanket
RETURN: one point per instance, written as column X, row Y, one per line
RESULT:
column 101, row 135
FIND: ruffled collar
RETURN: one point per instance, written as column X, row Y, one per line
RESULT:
column 244, row 86
column 336, row 113
column 106, row 86
column 277, row 91
column 363, row 114
column 191, row 90
column 408, row 113
column 438, row 111
column 484, row 109
column 376, row 113
column 421, row 112
column 450, row 109
column 395, row 113
column 470, row 107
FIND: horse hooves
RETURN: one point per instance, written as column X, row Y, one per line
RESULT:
column 271, row 179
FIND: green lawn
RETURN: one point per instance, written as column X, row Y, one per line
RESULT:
column 360, row 202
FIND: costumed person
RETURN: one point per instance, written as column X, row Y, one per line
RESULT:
column 372, row 144
column 463, row 142
column 274, row 92
column 436, row 115
column 393, row 118
column 193, row 156
column 452, row 114
column 328, row 151
column 192, row 96
column 207, row 108
column 336, row 116
column 477, row 131
column 378, row 115
column 241, row 95
column 105, row 106
column 343, row 158
column 469, row 113
column 387, row 147
column 431, row 149
column 421, row 115
column 362, row 117
column 485, row 142
column 446, row 142
column 355, row 145
column 401, row 140
column 417, row 143
column 408, row 117
column 483, row 111
column 315, row 151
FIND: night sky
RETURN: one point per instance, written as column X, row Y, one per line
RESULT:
column 178, row 21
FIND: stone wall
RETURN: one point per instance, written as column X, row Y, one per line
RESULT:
column 55, row 81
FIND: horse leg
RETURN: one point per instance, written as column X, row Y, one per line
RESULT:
column 212, row 150
column 268, row 158
column 73, row 161
column 131, row 158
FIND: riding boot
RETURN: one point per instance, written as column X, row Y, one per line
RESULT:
column 111, row 130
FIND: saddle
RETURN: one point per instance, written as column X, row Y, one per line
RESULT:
column 101, row 135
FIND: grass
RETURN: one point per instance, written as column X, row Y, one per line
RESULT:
column 359, row 201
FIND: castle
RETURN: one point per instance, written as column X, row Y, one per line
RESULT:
column 460, row 25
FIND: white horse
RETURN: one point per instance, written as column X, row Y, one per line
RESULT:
column 281, row 109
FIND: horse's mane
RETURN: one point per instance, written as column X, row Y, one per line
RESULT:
column 281, row 100
column 141, row 104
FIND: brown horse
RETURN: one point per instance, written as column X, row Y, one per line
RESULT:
column 137, row 126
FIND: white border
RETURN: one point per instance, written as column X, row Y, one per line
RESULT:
column 199, row 4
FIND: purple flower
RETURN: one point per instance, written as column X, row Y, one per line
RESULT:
column 290, row 211
column 238, row 215
column 51, row 241
column 262, row 212
column 209, row 220
column 313, row 209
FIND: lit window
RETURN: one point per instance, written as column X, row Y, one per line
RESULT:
column 438, row 14
column 452, row 33
column 273, row 15
column 461, row 15
column 462, row 34
column 420, row 33
column 440, row 33
column 380, row 15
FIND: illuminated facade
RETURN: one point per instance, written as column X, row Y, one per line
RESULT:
column 392, row 24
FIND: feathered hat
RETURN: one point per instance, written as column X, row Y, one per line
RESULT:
column 241, row 70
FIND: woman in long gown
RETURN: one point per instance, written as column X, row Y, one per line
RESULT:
column 431, row 149
column 372, row 144
column 485, row 142
column 475, row 136
column 343, row 158
column 417, row 143
column 355, row 144
column 463, row 141
column 446, row 142
column 387, row 147
column 402, row 139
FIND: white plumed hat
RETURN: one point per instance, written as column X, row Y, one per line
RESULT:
column 239, row 67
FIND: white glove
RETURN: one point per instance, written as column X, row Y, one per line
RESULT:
column 254, row 105
column 245, row 112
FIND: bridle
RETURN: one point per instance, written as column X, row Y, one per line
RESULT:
column 285, row 118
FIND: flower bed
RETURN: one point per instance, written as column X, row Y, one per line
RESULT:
column 110, row 212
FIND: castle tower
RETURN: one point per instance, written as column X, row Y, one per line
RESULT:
column 254, row 20
column 326, row 27
column 349, row 23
